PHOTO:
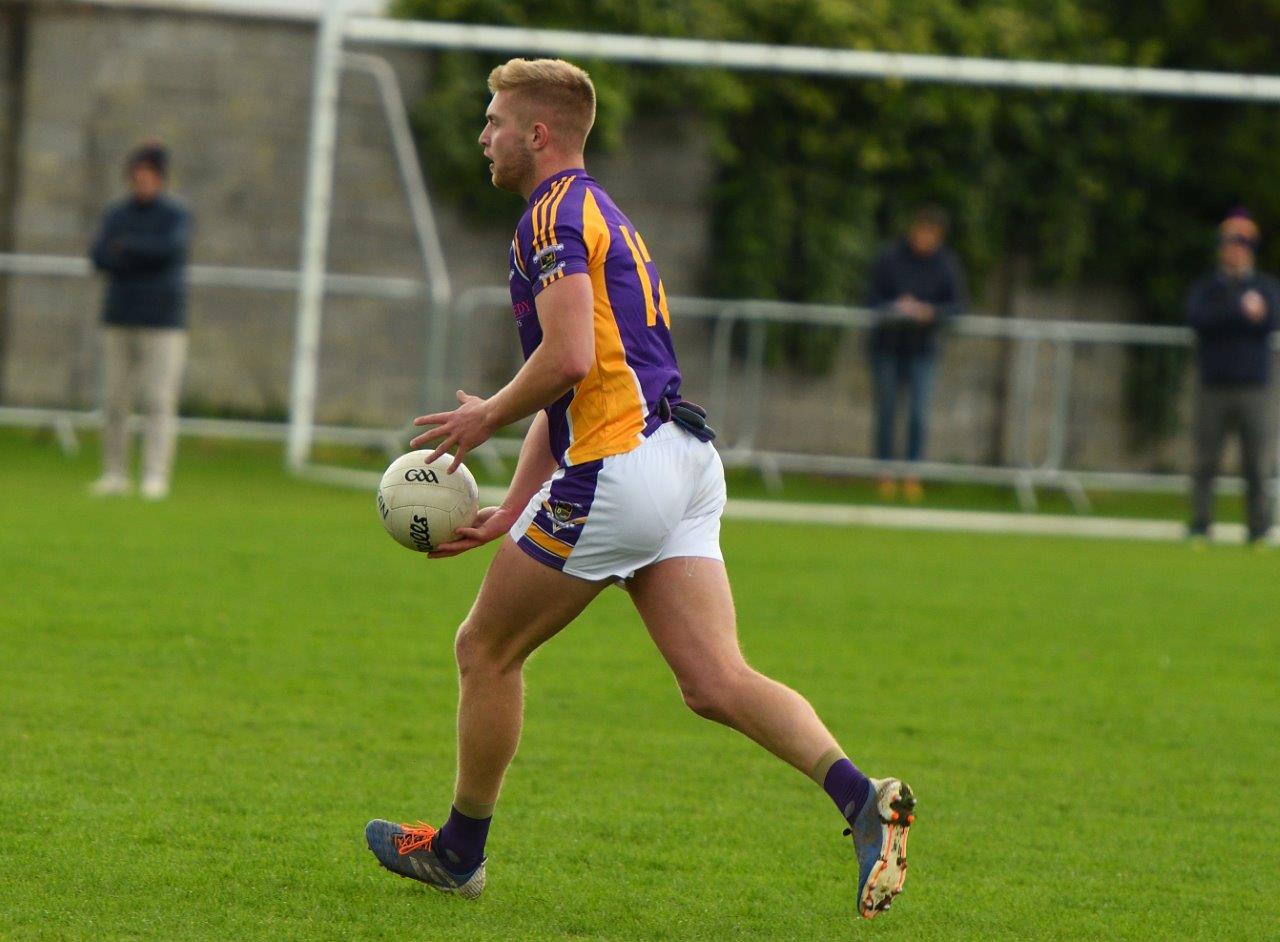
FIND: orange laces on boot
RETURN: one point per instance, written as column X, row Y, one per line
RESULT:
column 418, row 837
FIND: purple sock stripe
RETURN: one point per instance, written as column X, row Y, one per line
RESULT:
column 539, row 554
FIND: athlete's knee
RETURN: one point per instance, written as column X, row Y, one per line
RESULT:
column 715, row 693
column 705, row 702
column 476, row 652
column 470, row 650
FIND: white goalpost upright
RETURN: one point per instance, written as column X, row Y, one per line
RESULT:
column 315, row 234
column 329, row 64
column 337, row 29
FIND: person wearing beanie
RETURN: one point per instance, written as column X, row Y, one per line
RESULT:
column 1233, row 312
column 142, row 248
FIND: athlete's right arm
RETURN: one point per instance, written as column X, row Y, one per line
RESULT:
column 534, row 467
column 562, row 359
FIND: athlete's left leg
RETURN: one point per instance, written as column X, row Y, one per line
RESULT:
column 687, row 606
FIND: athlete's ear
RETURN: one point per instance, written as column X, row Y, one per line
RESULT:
column 539, row 135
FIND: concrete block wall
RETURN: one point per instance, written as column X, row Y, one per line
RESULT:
column 231, row 96
column 7, row 53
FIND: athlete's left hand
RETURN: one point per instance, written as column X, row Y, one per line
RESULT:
column 490, row 523
column 463, row 429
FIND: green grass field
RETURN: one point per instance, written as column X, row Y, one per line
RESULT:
column 203, row 702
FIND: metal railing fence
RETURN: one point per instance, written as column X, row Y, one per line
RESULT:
column 736, row 377
column 740, row 379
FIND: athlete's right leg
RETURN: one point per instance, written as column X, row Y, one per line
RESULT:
column 521, row 604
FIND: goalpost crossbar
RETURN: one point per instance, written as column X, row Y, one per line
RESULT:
column 814, row 60
column 338, row 28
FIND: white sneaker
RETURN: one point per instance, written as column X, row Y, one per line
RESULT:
column 110, row 485
column 155, row 489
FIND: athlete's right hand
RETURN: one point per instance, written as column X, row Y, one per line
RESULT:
column 490, row 523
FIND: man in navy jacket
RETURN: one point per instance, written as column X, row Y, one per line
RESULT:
column 1233, row 311
column 915, row 285
column 142, row 248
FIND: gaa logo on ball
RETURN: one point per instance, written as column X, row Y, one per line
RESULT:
column 421, row 505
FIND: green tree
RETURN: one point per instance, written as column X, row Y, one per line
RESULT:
column 811, row 173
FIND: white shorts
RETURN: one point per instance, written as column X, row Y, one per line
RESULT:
column 608, row 518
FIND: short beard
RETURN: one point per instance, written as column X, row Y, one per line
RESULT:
column 515, row 176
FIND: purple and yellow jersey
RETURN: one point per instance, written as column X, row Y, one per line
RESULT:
column 572, row 227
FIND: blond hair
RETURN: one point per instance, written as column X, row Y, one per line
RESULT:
column 557, row 84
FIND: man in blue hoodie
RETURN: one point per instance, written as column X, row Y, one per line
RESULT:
column 142, row 248
column 1233, row 311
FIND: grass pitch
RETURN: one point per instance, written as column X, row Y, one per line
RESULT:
column 203, row 701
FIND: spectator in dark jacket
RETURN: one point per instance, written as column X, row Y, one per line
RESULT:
column 1233, row 312
column 142, row 248
column 916, row 284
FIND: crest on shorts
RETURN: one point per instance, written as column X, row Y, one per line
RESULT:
column 563, row 514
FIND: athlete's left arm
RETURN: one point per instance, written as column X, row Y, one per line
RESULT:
column 563, row 358
column 535, row 465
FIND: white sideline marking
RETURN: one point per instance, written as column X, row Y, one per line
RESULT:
column 970, row 521
column 897, row 518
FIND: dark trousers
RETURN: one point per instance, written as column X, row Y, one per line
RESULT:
column 1245, row 410
column 891, row 372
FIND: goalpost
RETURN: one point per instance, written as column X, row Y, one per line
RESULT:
column 337, row 30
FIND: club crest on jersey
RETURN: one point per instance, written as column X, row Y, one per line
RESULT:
column 547, row 261
column 562, row 514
